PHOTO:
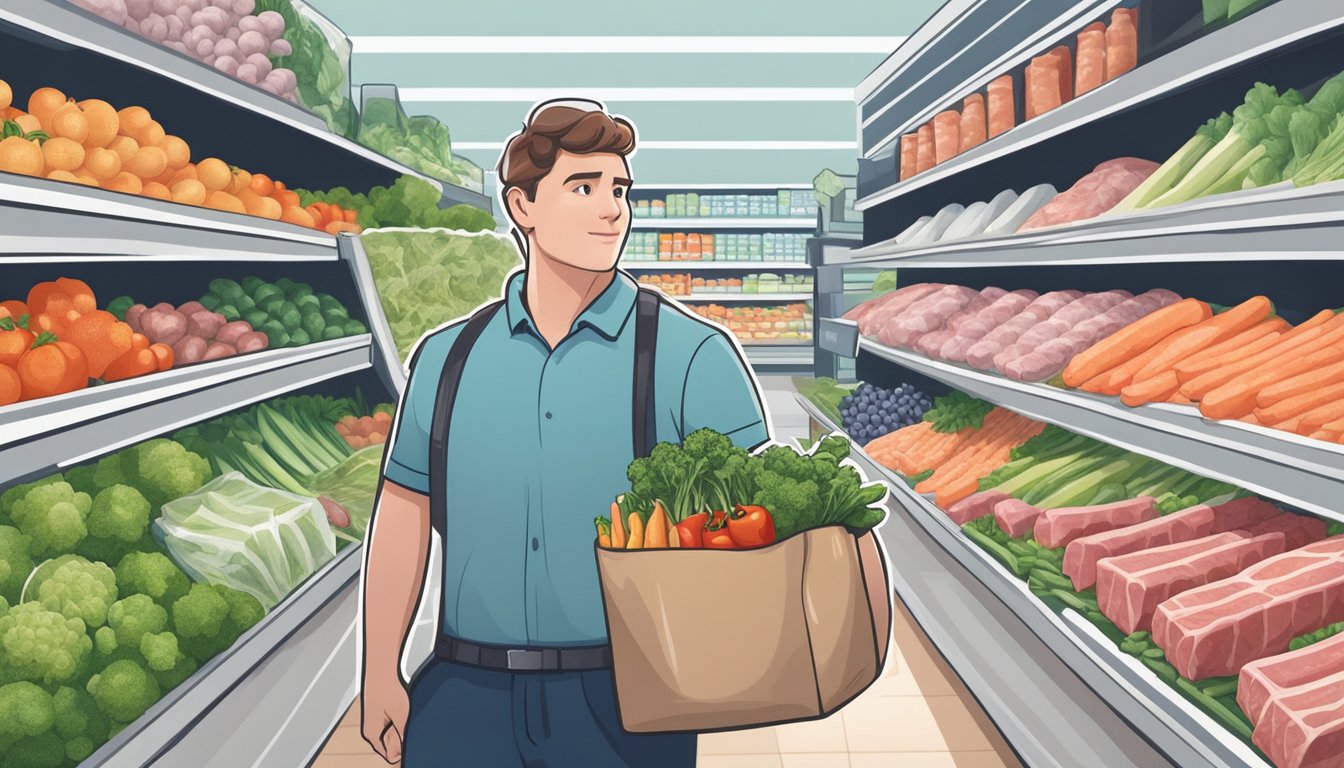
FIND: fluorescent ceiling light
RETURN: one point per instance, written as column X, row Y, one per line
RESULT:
column 531, row 95
column 622, row 44
column 699, row 145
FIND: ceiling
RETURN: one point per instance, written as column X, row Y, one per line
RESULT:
column 720, row 92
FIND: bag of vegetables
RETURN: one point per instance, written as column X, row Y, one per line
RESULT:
column 765, row 563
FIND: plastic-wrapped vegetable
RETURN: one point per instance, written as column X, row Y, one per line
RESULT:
column 352, row 484
column 235, row 533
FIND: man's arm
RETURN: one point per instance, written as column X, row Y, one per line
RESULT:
column 394, row 575
column 721, row 394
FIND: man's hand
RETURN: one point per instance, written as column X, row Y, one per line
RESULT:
column 385, row 706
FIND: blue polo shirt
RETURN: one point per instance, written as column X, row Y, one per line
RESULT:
column 538, row 446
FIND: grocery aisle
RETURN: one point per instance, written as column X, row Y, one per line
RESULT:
column 917, row 715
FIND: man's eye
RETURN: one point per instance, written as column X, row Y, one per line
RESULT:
column 584, row 189
column 620, row 192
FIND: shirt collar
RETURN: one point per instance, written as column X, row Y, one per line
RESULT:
column 607, row 314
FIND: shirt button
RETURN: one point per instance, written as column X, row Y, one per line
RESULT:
column 535, row 544
column 548, row 414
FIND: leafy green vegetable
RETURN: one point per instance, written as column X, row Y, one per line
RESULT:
column 322, row 72
column 885, row 282
column 1178, row 165
column 409, row 202
column 420, row 142
column 351, row 484
column 956, row 411
column 1328, row 631
column 825, row 393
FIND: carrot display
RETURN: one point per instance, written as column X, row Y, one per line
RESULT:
column 973, row 124
column 1153, row 389
column 1298, row 340
column 946, row 135
column 1261, row 334
column 1300, row 384
column 1112, row 381
column 1237, row 396
column 1091, row 58
column 1002, row 111
column 1319, row 417
column 1134, row 338
column 1300, row 404
column 924, row 154
column 909, row 155
column 1212, row 331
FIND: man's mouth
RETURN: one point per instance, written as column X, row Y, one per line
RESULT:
column 606, row 235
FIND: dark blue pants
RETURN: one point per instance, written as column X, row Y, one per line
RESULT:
column 484, row 718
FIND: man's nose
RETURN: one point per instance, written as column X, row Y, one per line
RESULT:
column 613, row 209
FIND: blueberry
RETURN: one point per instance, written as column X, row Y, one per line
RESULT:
column 863, row 418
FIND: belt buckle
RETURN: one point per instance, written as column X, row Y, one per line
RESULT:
column 524, row 660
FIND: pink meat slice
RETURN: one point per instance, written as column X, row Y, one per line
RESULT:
column 1082, row 554
column 1053, row 356
column 927, row 315
column 999, row 312
column 981, row 354
column 1015, row 517
column 892, row 304
column 1094, row 194
column 1058, row 324
column 1297, row 530
column 1215, row 629
column 1243, row 513
column 1304, row 727
column 1058, row 527
column 930, row 343
column 1130, row 587
column 975, row 506
column 1264, row 680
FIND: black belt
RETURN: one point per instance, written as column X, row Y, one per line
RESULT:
column 524, row 659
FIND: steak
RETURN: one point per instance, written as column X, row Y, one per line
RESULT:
column 981, row 354
column 1214, row 629
column 1242, row 513
column 1264, row 680
column 1130, row 587
column 1058, row 527
column 1297, row 530
column 1015, row 517
column 975, row 506
column 1081, row 556
column 1094, row 194
column 1294, row 701
column 883, row 308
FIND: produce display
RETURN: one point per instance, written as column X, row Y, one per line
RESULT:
column 1104, row 52
column 1230, row 10
column 232, row 36
column 786, row 203
column 703, row 246
column 319, row 59
column 290, row 314
column 426, row 279
column 871, row 412
column 420, row 142
column 90, row 142
column 780, row 324
column 707, row 493
column 409, row 202
column 825, row 393
column 766, row 283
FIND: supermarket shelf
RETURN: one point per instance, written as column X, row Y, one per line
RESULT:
column 68, row 25
column 1181, row 733
column 752, row 298
column 839, row 337
column 1304, row 473
column 1280, row 25
column 43, row 220
column 739, row 222
column 39, row 436
column 778, row 354
column 695, row 266
column 1274, row 223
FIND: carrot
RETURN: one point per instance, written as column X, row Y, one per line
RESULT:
column 1134, row 339
column 1179, row 399
column 617, row 527
column 1327, row 435
column 1153, row 389
column 1300, row 384
column 1237, row 397
column 101, row 337
column 1189, row 368
column 163, row 356
column 1233, row 365
column 1212, row 331
column 636, row 540
column 319, row 216
column 603, row 532
column 1297, row 405
column 655, row 536
column 1117, row 378
column 1320, row 416
column 351, row 216
column 335, row 213
column 1272, row 325
column 1334, row 426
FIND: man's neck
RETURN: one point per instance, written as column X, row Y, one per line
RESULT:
column 558, row 293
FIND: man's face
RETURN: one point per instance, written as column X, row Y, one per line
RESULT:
column 581, row 214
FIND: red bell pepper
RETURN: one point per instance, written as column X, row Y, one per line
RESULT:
column 716, row 534
column 751, row 526
column 691, row 531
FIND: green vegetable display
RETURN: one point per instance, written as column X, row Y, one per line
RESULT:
column 289, row 313
column 825, row 393
column 427, row 279
column 323, row 73
column 420, row 142
column 956, row 411
column 409, row 202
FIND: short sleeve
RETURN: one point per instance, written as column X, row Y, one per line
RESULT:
column 721, row 395
column 408, row 461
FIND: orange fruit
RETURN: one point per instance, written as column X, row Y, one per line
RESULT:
column 85, row 179
column 151, row 135
column 296, row 215
column 156, row 190
column 69, row 122
column 28, row 123
column 20, row 156
column 148, row 162
column 103, row 122
column 125, row 147
column 241, row 180
column 125, row 182
column 186, row 172
column 262, row 185
column 257, row 205
column 6, row 95
column 214, row 174
column 189, row 192
column 102, row 164
column 63, row 154
column 63, row 176
column 44, row 102
column 132, row 120
column 166, row 178
column 179, row 154
column 223, row 201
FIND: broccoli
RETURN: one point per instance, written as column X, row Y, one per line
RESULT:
column 171, row 678
column 133, row 617
column 41, row 645
column 124, row 690
column 163, row 470
column 54, row 516
column 159, row 650
column 25, row 711
column 12, row 496
column 299, row 338
column 120, row 514
column 78, row 722
column 105, row 642
column 15, row 562
column 210, row 617
column 83, row 479
column 264, row 292
column 308, row 304
column 44, row 751
column 152, row 574
column 793, row 504
column 78, row 589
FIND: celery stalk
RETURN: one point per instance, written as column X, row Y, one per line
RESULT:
column 1167, row 176
column 1236, row 175
column 1208, row 171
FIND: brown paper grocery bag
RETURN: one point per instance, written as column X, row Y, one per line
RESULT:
column 706, row 640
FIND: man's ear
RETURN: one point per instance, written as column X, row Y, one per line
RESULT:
column 520, row 208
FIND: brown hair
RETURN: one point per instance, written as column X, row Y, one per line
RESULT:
column 531, row 154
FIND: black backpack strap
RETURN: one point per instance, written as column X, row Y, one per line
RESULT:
column 643, row 418
column 449, row 379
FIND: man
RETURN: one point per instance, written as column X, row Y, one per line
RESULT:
column 542, row 430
